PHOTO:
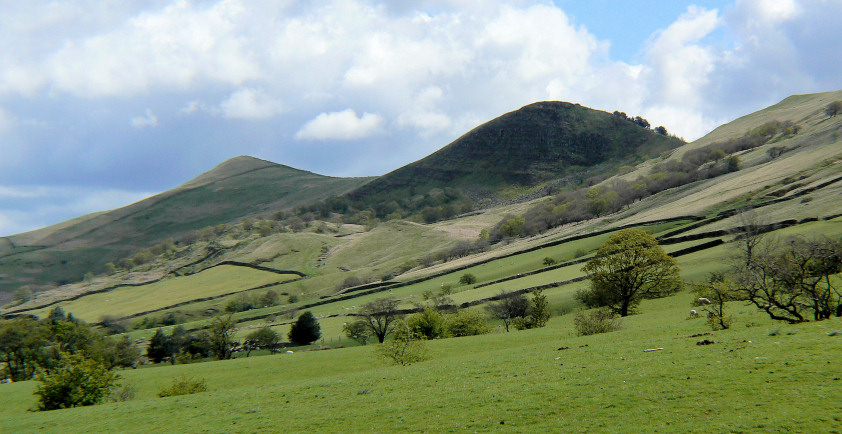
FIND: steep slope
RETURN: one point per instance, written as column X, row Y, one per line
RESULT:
column 237, row 188
column 537, row 143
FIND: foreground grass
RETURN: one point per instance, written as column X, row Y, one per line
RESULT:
column 749, row 380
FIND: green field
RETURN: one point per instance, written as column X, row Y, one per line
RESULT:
column 521, row 381
column 129, row 300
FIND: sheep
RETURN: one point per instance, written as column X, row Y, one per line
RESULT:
column 694, row 314
column 703, row 300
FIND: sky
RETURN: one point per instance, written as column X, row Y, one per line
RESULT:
column 103, row 103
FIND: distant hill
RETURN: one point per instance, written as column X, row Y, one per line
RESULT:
column 537, row 143
column 237, row 188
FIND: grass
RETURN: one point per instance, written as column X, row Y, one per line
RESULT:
column 747, row 381
column 129, row 300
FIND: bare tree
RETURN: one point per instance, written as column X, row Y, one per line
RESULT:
column 378, row 317
column 750, row 233
column 793, row 279
column 509, row 307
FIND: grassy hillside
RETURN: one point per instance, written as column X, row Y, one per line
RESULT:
column 240, row 187
column 537, row 143
column 758, row 375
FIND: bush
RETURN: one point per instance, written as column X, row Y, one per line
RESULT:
column 74, row 382
column 184, row 386
column 405, row 348
column 466, row 323
column 468, row 279
column 595, row 322
column 125, row 393
column 429, row 324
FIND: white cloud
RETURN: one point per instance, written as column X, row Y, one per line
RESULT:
column 419, row 73
column 149, row 120
column 250, row 103
column 344, row 125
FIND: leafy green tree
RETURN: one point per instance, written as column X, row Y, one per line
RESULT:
column 539, row 313
column 358, row 331
column 629, row 267
column 222, row 336
column 160, row 347
column 548, row 261
column 429, row 324
column 74, row 382
column 509, row 307
column 540, row 309
column 262, row 338
column 57, row 314
column 305, row 330
column 23, row 343
column 468, row 279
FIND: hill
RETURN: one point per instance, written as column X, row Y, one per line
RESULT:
column 665, row 369
column 237, row 188
column 540, row 142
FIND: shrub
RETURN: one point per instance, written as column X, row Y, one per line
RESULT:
column 468, row 279
column 74, row 382
column 184, row 386
column 466, row 323
column 429, row 324
column 548, row 261
column 123, row 394
column 595, row 322
column 405, row 348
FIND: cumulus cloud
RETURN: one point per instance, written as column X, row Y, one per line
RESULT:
column 344, row 125
column 149, row 120
column 419, row 74
column 250, row 103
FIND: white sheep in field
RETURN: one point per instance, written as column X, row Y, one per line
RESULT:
column 694, row 314
column 703, row 300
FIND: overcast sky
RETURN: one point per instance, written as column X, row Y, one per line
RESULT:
column 103, row 103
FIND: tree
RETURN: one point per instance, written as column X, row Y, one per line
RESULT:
column 468, row 279
column 221, row 336
column 662, row 130
column 379, row 315
column 641, row 122
column 509, row 307
column 833, row 109
column 539, row 313
column 160, row 347
column 540, row 309
column 629, row 267
column 74, row 382
column 305, row 330
column 428, row 324
column 357, row 331
column 717, row 290
column 262, row 338
column 22, row 347
column 792, row 281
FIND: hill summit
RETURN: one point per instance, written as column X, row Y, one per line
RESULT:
column 537, row 143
